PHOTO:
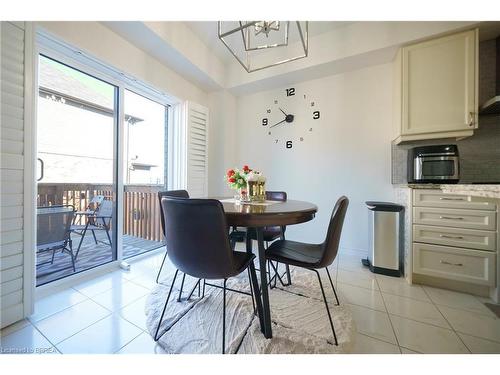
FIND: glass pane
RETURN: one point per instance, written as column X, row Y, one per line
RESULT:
column 145, row 173
column 76, row 124
column 438, row 168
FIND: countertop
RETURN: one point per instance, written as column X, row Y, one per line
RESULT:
column 418, row 186
column 485, row 191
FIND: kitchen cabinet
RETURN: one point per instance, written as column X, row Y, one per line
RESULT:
column 454, row 237
column 435, row 83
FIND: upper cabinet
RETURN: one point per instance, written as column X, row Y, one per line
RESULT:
column 436, row 94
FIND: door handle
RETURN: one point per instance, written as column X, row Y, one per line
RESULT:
column 41, row 169
column 451, row 218
column 451, row 264
column 470, row 120
column 451, row 237
column 451, row 199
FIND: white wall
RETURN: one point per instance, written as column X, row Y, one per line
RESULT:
column 348, row 153
column 222, row 140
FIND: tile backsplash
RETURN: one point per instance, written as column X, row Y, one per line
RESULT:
column 479, row 154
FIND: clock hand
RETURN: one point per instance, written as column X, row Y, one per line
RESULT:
column 283, row 112
column 272, row 126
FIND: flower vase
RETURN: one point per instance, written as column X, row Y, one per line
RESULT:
column 243, row 194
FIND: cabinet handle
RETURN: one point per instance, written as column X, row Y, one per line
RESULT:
column 451, row 199
column 452, row 237
column 451, row 218
column 451, row 264
column 471, row 119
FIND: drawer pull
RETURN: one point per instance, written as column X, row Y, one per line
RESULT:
column 451, row 199
column 452, row 237
column 451, row 218
column 451, row 264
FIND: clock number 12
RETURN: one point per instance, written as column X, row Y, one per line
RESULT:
column 290, row 92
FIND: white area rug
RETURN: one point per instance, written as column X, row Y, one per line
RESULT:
column 299, row 319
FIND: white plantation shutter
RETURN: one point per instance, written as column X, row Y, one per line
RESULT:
column 12, row 127
column 196, row 150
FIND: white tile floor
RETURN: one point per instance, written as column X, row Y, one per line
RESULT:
column 106, row 315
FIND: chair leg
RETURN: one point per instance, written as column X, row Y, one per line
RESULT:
column 203, row 290
column 197, row 285
column 81, row 239
column 277, row 275
column 53, row 255
column 326, row 305
column 182, row 286
column 107, row 234
column 161, row 267
column 224, row 318
column 95, row 238
column 251, row 290
column 72, row 256
column 256, row 290
column 157, row 337
column 288, row 275
column 331, row 283
column 271, row 279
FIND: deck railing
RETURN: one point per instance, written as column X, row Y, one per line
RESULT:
column 141, row 207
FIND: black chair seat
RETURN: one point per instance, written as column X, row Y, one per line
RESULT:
column 295, row 253
column 268, row 233
column 241, row 261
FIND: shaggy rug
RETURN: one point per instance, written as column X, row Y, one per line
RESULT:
column 299, row 319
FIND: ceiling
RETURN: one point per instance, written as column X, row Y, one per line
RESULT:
column 207, row 32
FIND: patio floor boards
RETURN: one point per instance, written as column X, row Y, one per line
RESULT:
column 91, row 255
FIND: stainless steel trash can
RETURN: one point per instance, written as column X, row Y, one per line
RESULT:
column 385, row 251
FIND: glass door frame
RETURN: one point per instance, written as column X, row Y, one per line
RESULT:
column 166, row 153
column 54, row 49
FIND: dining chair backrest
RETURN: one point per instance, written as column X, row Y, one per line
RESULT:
column 53, row 223
column 105, row 211
column 172, row 194
column 196, row 237
column 276, row 195
column 331, row 244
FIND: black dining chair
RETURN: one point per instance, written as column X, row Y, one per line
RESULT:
column 208, row 253
column 271, row 234
column 172, row 194
column 314, row 256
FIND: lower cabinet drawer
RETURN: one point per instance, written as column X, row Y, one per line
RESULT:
column 447, row 217
column 468, row 238
column 472, row 266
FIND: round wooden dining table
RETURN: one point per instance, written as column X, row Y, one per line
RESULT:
column 258, row 216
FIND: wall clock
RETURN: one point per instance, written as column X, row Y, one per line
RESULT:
column 290, row 118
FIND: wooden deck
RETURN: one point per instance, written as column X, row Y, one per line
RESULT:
column 90, row 256
column 141, row 207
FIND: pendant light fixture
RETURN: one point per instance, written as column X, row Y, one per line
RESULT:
column 262, row 44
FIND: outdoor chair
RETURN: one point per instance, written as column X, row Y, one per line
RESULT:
column 90, row 210
column 53, row 231
column 100, row 220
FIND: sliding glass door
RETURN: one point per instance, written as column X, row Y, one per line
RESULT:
column 85, row 115
column 145, row 171
column 77, row 123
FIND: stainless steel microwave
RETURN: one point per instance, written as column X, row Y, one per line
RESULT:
column 434, row 164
